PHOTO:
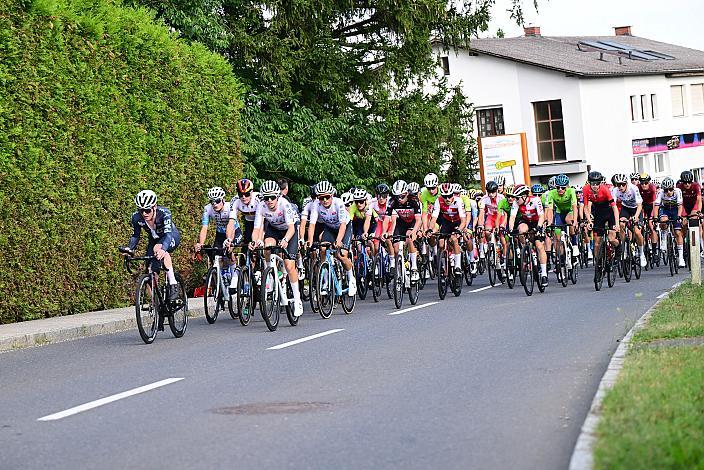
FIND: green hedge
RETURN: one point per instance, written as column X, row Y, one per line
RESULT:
column 97, row 102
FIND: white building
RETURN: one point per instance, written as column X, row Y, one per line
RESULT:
column 612, row 104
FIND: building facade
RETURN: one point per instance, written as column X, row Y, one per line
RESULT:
column 613, row 104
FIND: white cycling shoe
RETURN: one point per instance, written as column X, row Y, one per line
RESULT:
column 298, row 308
column 352, row 291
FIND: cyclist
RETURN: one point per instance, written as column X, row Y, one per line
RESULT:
column 540, row 191
column 275, row 224
column 551, row 183
column 488, row 213
column 691, row 197
column 380, row 205
column 336, row 227
column 362, row 215
column 245, row 203
column 530, row 210
column 413, row 190
column 600, row 209
column 219, row 211
column 501, row 181
column 428, row 194
column 669, row 207
column 472, row 211
column 163, row 235
column 449, row 208
column 347, row 200
column 648, row 192
column 630, row 203
column 635, row 178
column 405, row 220
column 305, row 215
column 561, row 207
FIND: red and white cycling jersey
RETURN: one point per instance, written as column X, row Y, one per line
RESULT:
column 530, row 211
column 452, row 211
column 491, row 205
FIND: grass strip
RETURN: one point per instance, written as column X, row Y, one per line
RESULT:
column 654, row 416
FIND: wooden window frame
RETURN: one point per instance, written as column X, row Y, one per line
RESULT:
column 552, row 140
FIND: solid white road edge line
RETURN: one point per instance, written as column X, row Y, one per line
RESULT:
column 664, row 294
column 481, row 289
column 399, row 312
column 582, row 455
column 307, row 338
column 110, row 399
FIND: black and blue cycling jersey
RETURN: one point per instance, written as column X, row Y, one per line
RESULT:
column 165, row 231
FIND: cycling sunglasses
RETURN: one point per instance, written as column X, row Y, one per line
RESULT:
column 562, row 188
column 622, row 185
column 247, row 194
column 145, row 211
column 324, row 198
column 216, row 201
column 269, row 198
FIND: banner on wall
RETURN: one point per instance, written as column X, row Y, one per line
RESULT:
column 504, row 155
column 667, row 143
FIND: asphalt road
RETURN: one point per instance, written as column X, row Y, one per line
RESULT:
column 492, row 379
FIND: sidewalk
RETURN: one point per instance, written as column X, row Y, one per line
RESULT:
column 57, row 329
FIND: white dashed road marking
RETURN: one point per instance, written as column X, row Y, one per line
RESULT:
column 307, row 338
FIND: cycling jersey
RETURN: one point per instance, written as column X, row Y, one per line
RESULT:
column 356, row 214
column 380, row 209
column 332, row 216
column 470, row 207
column 629, row 198
column 648, row 193
column 163, row 231
column 305, row 213
column 451, row 211
column 280, row 218
column 405, row 211
column 491, row 205
column 221, row 218
column 530, row 211
column 427, row 199
column 504, row 206
column 689, row 196
column 669, row 201
column 247, row 210
column 603, row 196
column 562, row 204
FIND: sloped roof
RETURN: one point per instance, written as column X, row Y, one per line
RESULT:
column 563, row 54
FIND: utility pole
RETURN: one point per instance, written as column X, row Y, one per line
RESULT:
column 694, row 259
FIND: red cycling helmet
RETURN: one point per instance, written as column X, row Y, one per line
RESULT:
column 244, row 186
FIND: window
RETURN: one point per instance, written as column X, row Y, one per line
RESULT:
column 549, row 131
column 639, row 164
column 660, row 163
column 698, row 98
column 677, row 92
column 491, row 121
column 445, row 63
column 644, row 107
column 654, row 106
column 634, row 108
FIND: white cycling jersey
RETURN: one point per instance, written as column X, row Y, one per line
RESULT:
column 247, row 210
column 279, row 218
column 221, row 218
column 673, row 200
column 332, row 216
column 629, row 198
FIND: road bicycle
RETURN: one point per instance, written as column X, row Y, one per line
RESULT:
column 469, row 265
column 491, row 258
column 629, row 263
column 604, row 262
column 670, row 252
column 562, row 257
column 426, row 266
column 401, row 281
column 513, row 260
column 445, row 274
column 332, row 282
column 217, row 285
column 529, row 268
column 362, row 266
column 152, row 306
column 380, row 270
column 275, row 290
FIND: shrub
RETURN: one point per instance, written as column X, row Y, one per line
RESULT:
column 96, row 103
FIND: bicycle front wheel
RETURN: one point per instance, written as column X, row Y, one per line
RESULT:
column 325, row 290
column 377, row 277
column 362, row 275
column 146, row 308
column 270, row 299
column 527, row 278
column 244, row 296
column 211, row 298
column 491, row 264
column 627, row 260
column 443, row 263
column 178, row 317
column 398, row 281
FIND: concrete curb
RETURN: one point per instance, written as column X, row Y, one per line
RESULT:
column 59, row 329
column 583, row 453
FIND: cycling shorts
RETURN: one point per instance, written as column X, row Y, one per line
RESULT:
column 560, row 218
column 490, row 221
column 330, row 235
column 276, row 234
column 602, row 216
column 627, row 212
column 448, row 227
column 671, row 214
column 358, row 227
column 403, row 227
column 156, row 264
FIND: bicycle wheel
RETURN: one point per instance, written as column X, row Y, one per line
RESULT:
column 510, row 266
column 637, row 268
column 599, row 258
column 326, row 289
column 377, row 277
column 211, row 298
column 443, row 264
column 232, row 300
column 146, row 309
column 561, row 260
column 292, row 319
column 467, row 268
column 244, row 296
column 178, row 311
column 270, row 299
column 314, row 281
column 348, row 301
column 361, row 275
column 536, row 271
column 397, row 283
column 491, row 264
column 455, row 281
column 304, row 278
column 527, row 278
column 627, row 260
column 671, row 261
column 611, row 264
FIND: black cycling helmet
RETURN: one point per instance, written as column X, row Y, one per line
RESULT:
column 382, row 188
column 687, row 176
column 491, row 187
column 595, row 177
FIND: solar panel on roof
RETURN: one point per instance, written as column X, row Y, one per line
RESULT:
column 617, row 45
column 641, row 55
column 598, row 45
column 659, row 55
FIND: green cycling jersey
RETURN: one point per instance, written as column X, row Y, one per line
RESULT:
column 427, row 198
column 562, row 204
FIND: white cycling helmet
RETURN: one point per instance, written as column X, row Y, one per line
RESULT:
column 620, row 178
column 447, row 189
column 413, row 188
column 324, row 187
column 145, row 199
column 500, row 180
column 216, row 192
column 521, row 190
column 430, row 180
column 306, row 201
column 399, row 188
column 270, row 188
column 347, row 198
column 359, row 194
column 456, row 188
column 551, row 182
